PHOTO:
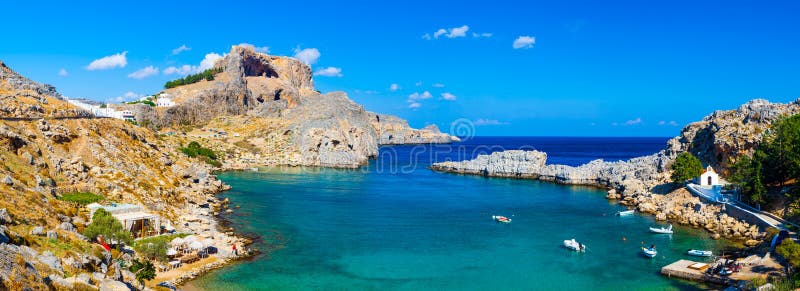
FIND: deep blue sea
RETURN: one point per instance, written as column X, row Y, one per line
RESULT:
column 396, row 225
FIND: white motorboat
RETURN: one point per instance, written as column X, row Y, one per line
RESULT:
column 574, row 245
column 666, row 230
column 500, row 218
column 699, row 253
column 626, row 212
column 649, row 252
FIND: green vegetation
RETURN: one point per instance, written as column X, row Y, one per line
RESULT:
column 207, row 75
column 195, row 150
column 109, row 227
column 82, row 198
column 774, row 164
column 147, row 101
column 144, row 270
column 686, row 167
column 155, row 248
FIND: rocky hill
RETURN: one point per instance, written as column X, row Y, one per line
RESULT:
column 51, row 148
column 312, row 129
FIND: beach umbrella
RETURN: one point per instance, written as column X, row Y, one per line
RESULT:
column 196, row 245
column 190, row 239
column 171, row 252
column 177, row 241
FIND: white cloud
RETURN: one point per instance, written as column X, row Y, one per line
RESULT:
column 670, row 123
column 524, row 42
column 308, row 56
column 329, row 72
column 259, row 49
column 420, row 96
column 63, row 72
column 482, row 34
column 144, row 73
column 180, row 49
column 448, row 96
column 394, row 87
column 458, row 32
column 182, row 70
column 109, row 62
column 449, row 33
column 207, row 63
column 128, row 96
column 439, row 33
column 481, row 121
column 438, row 85
column 414, row 105
column 418, row 84
column 636, row 121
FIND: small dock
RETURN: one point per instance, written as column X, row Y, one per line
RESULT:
column 695, row 271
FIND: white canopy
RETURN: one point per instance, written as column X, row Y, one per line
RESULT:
column 171, row 252
column 177, row 241
column 208, row 242
column 190, row 239
column 196, row 245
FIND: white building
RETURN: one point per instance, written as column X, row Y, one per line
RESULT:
column 709, row 178
column 164, row 101
column 132, row 217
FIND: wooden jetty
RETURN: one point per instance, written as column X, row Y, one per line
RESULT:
column 695, row 271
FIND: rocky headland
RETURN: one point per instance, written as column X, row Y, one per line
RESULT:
column 299, row 125
column 718, row 140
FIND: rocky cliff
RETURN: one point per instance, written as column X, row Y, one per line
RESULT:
column 394, row 130
column 51, row 148
column 319, row 129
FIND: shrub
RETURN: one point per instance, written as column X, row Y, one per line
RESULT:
column 82, row 198
column 207, row 75
column 108, row 226
column 207, row 155
column 790, row 251
column 686, row 167
column 144, row 270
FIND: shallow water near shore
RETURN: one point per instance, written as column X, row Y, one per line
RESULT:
column 397, row 225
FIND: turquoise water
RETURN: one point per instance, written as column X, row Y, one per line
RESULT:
column 413, row 229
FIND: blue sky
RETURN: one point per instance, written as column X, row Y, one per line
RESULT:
column 594, row 68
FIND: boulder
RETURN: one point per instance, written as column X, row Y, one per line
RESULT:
column 751, row 242
column 67, row 226
column 4, row 238
column 38, row 230
column 47, row 258
column 52, row 234
column 112, row 285
column 5, row 218
column 8, row 181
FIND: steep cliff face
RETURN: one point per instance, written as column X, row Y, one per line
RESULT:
column 60, row 149
column 322, row 129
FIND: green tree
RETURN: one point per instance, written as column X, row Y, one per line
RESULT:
column 686, row 167
column 144, row 270
column 790, row 251
column 109, row 227
column 154, row 250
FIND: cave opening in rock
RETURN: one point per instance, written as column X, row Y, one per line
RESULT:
column 254, row 66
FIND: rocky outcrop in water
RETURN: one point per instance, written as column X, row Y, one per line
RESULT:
column 394, row 130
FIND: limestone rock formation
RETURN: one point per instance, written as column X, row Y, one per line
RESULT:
column 311, row 128
column 394, row 130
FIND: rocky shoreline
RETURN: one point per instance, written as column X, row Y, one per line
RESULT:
column 624, row 182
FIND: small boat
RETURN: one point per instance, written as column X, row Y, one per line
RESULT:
column 699, row 253
column 649, row 252
column 726, row 271
column 500, row 218
column 626, row 212
column 665, row 230
column 574, row 245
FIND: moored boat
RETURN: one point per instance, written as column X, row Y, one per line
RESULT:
column 665, row 230
column 699, row 253
column 649, row 252
column 500, row 218
column 572, row 244
column 626, row 212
